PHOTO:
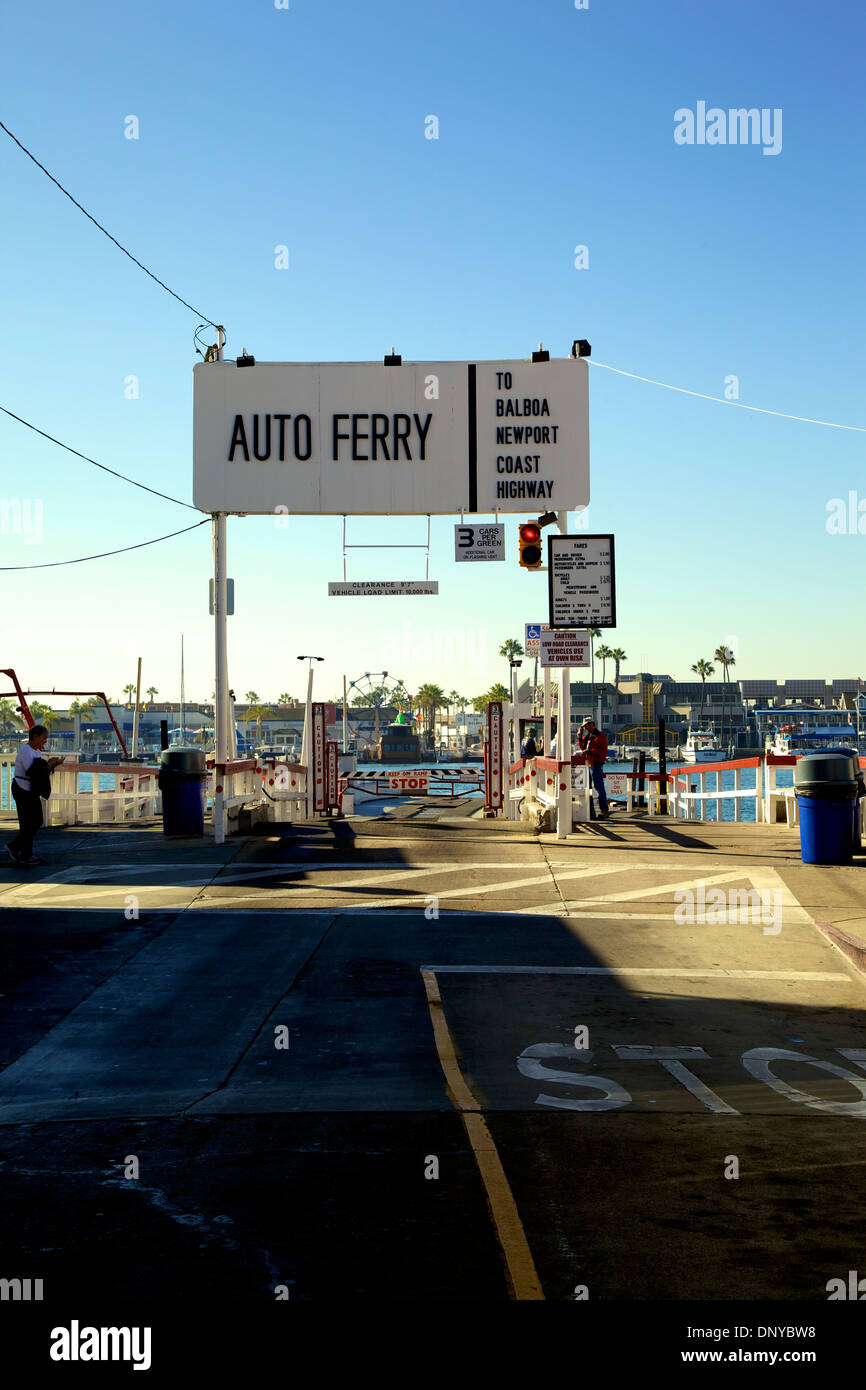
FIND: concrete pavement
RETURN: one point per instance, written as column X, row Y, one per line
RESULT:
column 583, row 1039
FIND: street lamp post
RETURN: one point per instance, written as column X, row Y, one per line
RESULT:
column 515, row 722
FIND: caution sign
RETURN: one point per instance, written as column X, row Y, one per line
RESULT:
column 493, row 760
column 318, row 759
column 563, row 647
column 331, row 774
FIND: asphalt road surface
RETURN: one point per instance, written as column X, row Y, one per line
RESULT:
column 417, row 1060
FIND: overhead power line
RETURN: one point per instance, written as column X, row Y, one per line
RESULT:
column 92, row 219
column 55, row 564
column 803, row 419
column 105, row 469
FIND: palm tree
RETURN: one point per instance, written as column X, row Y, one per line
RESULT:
column 496, row 692
column 255, row 711
column 43, row 714
column 285, row 699
column 151, row 691
column 129, row 691
column 594, row 632
column 617, row 656
column 725, row 656
column 510, row 649
column 429, row 699
column 453, row 697
column 703, row 669
column 9, row 715
column 252, row 697
column 604, row 655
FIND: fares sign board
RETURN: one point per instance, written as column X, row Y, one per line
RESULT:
column 354, row 438
column 563, row 647
column 581, row 581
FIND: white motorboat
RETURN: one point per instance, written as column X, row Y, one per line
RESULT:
column 702, row 746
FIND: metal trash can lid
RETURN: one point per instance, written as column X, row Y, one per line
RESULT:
column 824, row 767
column 190, row 760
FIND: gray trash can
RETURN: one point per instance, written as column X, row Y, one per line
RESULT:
column 183, row 783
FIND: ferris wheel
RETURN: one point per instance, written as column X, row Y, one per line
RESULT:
column 376, row 690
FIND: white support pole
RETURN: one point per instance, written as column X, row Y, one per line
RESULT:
column 563, row 727
column 221, row 670
column 137, row 710
column 515, row 723
column 345, row 719
column 546, row 712
column 759, row 793
column 221, row 682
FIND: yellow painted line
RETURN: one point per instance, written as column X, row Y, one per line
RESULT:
column 523, row 1277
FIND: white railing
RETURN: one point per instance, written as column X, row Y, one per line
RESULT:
column 249, row 782
column 284, row 787
column 133, row 795
column 684, row 798
column 534, row 785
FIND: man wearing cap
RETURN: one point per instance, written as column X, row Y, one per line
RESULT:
column 593, row 746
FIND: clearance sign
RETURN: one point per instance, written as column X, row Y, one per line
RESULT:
column 563, row 647
column 354, row 438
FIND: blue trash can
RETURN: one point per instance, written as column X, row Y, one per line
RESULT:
column 826, row 830
column 183, row 783
column 826, row 789
column 857, row 774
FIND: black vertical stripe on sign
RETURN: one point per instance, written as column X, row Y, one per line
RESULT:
column 473, row 439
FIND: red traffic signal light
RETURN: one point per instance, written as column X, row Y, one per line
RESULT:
column 530, row 545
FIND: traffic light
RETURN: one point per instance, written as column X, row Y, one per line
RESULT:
column 530, row 545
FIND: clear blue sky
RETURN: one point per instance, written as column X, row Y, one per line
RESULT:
column 305, row 126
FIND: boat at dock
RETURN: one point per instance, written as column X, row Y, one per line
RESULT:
column 702, row 746
column 792, row 740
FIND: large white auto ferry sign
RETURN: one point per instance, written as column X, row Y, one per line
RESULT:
column 364, row 438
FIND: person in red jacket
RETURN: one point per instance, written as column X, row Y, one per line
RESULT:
column 593, row 751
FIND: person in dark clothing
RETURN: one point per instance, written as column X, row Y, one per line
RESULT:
column 593, row 748
column 31, row 781
column 529, row 748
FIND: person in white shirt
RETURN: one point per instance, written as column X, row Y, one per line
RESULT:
column 27, row 800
